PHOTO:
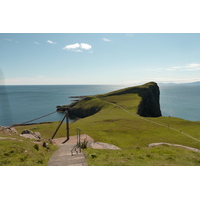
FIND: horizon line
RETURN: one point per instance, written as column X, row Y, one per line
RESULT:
column 99, row 84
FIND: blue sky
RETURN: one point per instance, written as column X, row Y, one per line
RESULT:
column 98, row 58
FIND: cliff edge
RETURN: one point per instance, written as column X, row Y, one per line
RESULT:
column 150, row 98
column 149, row 105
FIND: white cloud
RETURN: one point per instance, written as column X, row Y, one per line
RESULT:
column 106, row 40
column 77, row 50
column 8, row 40
column 85, row 46
column 72, row 46
column 193, row 67
column 36, row 43
column 174, row 68
column 190, row 67
column 78, row 47
column 39, row 80
column 51, row 42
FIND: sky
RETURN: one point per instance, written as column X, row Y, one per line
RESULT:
column 99, row 58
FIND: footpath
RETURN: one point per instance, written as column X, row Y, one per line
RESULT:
column 64, row 157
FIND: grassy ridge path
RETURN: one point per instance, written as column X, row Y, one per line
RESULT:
column 63, row 156
column 150, row 120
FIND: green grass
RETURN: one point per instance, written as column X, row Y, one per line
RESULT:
column 130, row 132
column 19, row 151
column 160, row 156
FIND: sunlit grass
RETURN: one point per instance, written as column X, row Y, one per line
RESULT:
column 19, row 151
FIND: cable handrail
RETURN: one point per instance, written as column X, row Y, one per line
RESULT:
column 33, row 119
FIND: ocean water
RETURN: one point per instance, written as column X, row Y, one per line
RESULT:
column 180, row 100
column 19, row 104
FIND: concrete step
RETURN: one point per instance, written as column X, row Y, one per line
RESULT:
column 63, row 156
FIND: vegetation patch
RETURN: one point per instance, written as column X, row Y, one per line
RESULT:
column 160, row 156
column 24, row 153
column 18, row 151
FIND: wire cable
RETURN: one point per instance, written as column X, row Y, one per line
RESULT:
column 34, row 119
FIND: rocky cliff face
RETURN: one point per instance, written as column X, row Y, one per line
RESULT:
column 150, row 103
column 85, row 107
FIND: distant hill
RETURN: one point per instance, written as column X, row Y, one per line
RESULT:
column 193, row 83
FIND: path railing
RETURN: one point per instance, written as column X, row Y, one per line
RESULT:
column 79, row 145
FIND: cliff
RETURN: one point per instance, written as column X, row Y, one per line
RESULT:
column 149, row 105
column 85, row 107
column 150, row 98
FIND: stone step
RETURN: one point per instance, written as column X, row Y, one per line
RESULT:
column 63, row 156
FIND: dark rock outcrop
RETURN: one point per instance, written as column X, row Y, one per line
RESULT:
column 150, row 103
column 81, row 113
column 84, row 108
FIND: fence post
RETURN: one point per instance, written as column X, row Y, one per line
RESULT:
column 80, row 140
column 58, row 128
column 67, row 123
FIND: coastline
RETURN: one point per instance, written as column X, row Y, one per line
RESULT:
column 19, row 105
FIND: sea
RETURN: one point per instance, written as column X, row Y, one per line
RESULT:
column 19, row 104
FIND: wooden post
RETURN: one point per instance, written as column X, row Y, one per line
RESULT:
column 79, row 140
column 77, row 131
column 58, row 128
column 67, row 123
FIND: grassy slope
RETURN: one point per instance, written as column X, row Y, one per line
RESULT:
column 132, row 134
column 19, row 151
